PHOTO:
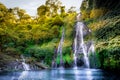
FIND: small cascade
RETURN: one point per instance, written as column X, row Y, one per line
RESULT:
column 75, row 61
column 86, row 60
column 25, row 66
column 75, row 52
column 92, row 48
column 59, row 49
column 54, row 63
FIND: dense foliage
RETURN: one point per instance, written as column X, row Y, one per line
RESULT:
column 104, row 20
column 37, row 37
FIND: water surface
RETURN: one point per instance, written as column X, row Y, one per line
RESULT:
column 60, row 74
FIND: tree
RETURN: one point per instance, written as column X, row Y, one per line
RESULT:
column 71, row 10
column 62, row 10
column 54, row 6
column 6, row 15
column 22, row 16
column 43, row 10
column 21, row 13
column 3, row 11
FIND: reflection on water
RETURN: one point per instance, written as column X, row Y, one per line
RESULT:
column 23, row 75
column 60, row 74
column 89, row 74
column 76, row 73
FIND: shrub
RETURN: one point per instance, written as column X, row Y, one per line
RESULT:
column 40, row 53
column 95, row 13
column 109, row 58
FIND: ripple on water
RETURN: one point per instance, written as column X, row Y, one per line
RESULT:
column 60, row 74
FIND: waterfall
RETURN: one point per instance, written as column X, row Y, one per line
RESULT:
column 91, row 50
column 59, row 50
column 25, row 66
column 79, row 46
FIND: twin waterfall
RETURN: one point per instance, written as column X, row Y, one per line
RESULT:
column 80, row 47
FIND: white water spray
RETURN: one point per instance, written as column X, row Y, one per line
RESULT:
column 59, row 50
column 25, row 66
column 79, row 45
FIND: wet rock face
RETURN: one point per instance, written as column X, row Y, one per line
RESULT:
column 11, row 65
column 17, row 65
column 80, row 62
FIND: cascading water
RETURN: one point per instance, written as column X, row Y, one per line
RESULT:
column 79, row 46
column 59, row 50
column 92, row 48
column 25, row 66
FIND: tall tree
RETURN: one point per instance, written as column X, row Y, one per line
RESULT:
column 62, row 11
column 54, row 6
column 22, row 16
column 71, row 10
column 43, row 10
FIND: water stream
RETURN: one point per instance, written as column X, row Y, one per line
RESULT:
column 59, row 49
column 25, row 66
column 79, row 44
